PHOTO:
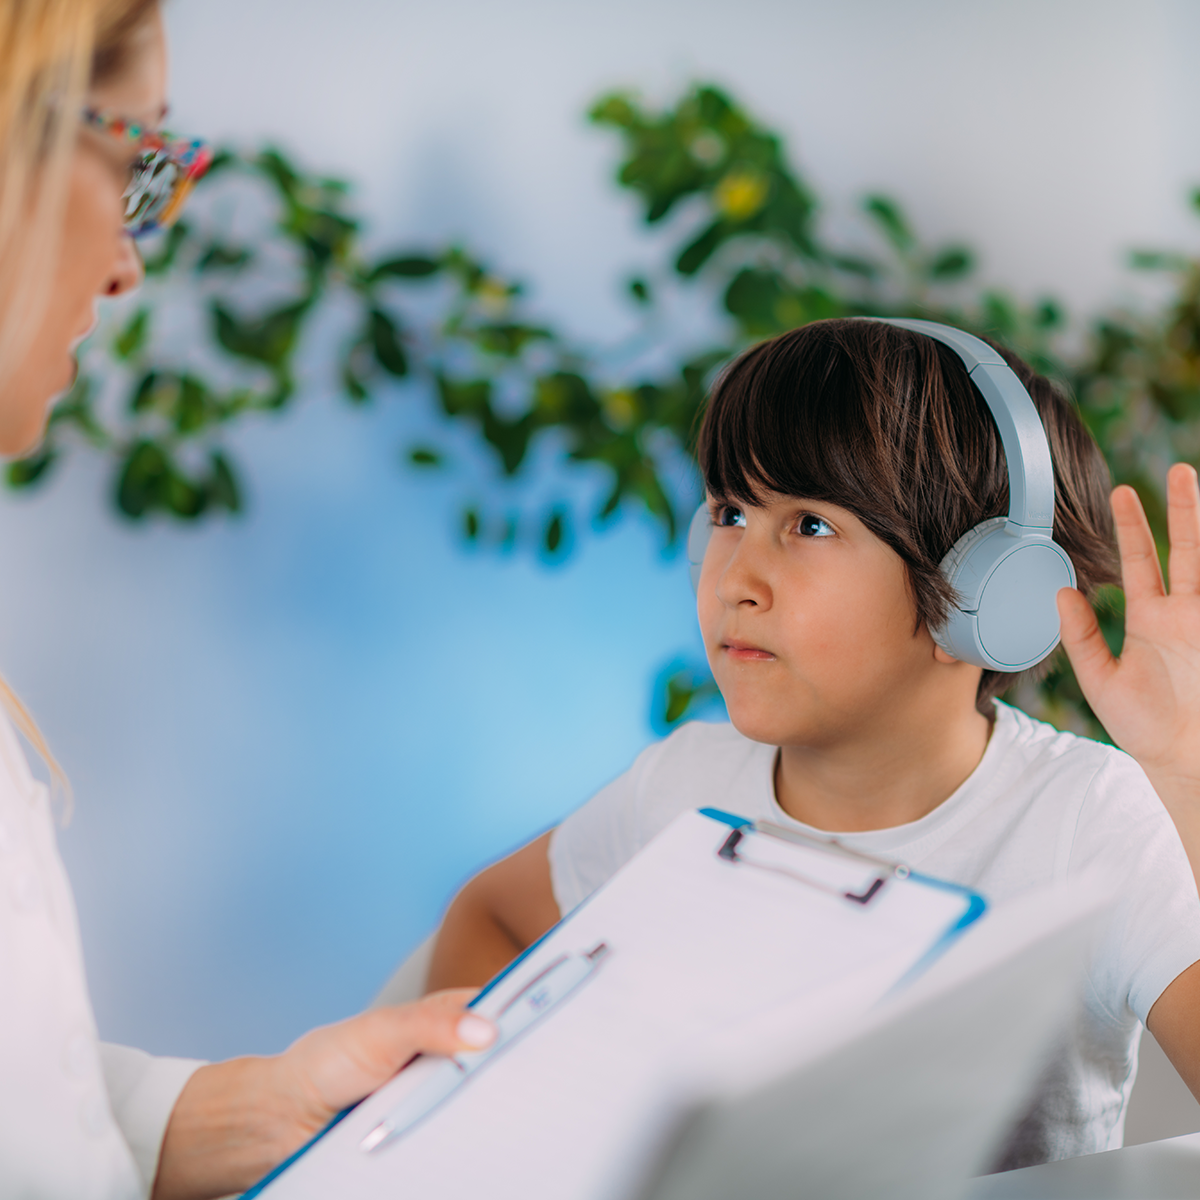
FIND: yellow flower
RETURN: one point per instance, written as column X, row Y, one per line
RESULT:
column 620, row 409
column 741, row 194
column 493, row 296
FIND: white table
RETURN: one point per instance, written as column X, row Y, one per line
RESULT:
column 1166, row 1170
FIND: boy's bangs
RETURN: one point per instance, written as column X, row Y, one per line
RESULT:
column 796, row 424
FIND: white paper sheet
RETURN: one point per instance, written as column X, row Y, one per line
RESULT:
column 698, row 945
column 904, row 1103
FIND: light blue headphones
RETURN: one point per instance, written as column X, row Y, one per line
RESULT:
column 1006, row 571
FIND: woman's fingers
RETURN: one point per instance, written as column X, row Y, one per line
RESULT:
column 339, row 1064
column 1183, row 527
column 1140, row 569
column 1084, row 643
column 386, row 1038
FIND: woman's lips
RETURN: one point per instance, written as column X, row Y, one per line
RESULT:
column 744, row 652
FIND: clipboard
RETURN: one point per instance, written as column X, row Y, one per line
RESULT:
column 717, row 921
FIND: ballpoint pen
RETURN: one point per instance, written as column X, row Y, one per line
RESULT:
column 532, row 1002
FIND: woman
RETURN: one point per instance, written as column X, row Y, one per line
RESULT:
column 82, row 96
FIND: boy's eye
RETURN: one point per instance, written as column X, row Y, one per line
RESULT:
column 810, row 525
column 727, row 515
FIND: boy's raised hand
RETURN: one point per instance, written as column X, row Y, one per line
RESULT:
column 1149, row 698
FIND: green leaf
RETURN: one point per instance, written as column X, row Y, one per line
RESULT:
column 697, row 252
column 854, row 264
column 385, row 339
column 470, row 397
column 218, row 258
column 639, row 289
column 425, row 456
column 1157, row 260
column 170, row 243
column 155, row 390
column 1049, row 315
column 272, row 163
column 555, row 534
column 25, row 472
column 133, row 337
column 509, row 339
column 681, row 690
column 471, row 524
column 953, row 262
column 142, row 483
column 223, row 489
column 887, row 215
column 411, row 266
column 194, row 407
column 355, row 388
column 267, row 339
column 182, row 497
column 753, row 298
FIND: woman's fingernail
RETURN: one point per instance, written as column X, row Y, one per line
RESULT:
column 475, row 1031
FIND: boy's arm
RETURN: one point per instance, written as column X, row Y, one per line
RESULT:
column 501, row 911
column 1175, row 1022
column 1149, row 701
column 1149, row 698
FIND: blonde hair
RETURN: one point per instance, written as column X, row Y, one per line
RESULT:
column 50, row 53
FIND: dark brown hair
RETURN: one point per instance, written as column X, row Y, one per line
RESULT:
column 886, row 424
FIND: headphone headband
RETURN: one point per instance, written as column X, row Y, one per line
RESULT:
column 1026, row 450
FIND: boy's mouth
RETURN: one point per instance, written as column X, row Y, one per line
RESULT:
column 745, row 652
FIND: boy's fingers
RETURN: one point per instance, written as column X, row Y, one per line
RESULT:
column 1140, row 570
column 1183, row 526
column 1084, row 643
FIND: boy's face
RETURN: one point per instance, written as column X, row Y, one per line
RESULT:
column 810, row 625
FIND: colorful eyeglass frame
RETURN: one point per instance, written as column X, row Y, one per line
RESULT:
column 164, row 173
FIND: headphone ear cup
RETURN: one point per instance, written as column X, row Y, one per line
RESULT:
column 1006, row 618
column 699, row 533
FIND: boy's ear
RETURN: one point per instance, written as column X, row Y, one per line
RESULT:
column 943, row 656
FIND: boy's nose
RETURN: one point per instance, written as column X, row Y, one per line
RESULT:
column 741, row 581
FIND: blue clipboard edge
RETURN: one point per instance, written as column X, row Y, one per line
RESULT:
column 492, row 983
column 975, row 907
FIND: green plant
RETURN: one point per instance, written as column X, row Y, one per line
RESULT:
column 746, row 229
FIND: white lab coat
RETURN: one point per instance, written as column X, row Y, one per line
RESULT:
column 78, row 1120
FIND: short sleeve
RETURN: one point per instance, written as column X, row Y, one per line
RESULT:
column 599, row 838
column 1126, row 835
column 142, row 1091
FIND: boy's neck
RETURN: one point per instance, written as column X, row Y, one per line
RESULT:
column 888, row 778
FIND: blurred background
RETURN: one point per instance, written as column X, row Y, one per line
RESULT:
column 293, row 732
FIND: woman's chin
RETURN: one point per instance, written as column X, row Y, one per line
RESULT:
column 21, row 433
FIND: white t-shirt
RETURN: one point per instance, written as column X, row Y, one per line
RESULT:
column 1041, row 806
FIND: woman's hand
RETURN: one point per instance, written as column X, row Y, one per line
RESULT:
column 235, row 1121
column 1149, row 698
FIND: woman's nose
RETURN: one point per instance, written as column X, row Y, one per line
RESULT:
column 127, row 271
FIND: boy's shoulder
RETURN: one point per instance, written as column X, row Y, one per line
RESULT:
column 1030, row 738
column 1037, row 753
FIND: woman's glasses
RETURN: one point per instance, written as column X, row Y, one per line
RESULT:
column 164, row 172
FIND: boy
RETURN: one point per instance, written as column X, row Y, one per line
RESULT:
column 842, row 461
